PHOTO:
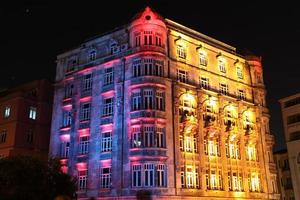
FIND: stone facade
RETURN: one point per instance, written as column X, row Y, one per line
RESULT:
column 157, row 109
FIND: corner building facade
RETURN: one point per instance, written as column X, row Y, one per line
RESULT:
column 157, row 109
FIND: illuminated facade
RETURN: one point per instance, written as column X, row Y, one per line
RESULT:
column 290, row 107
column 155, row 108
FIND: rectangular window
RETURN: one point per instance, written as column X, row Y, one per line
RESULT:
column 239, row 73
column 87, row 82
column 67, row 118
column 159, row 97
column 148, row 37
column 32, row 113
column 105, row 178
column 181, row 51
column 106, row 143
column 136, row 175
column 181, row 145
column 85, row 112
column 160, row 138
column 222, row 65
column 71, row 63
column 136, row 137
column 159, row 68
column 182, row 175
column 188, row 142
column 3, row 135
column 148, row 67
column 136, row 68
column 65, row 150
column 69, row 91
column 158, row 40
column 293, row 119
column 160, row 175
column 136, row 101
column 189, row 177
column 149, row 175
column 182, row 76
column 148, row 99
column 109, row 76
column 204, row 82
column 82, row 179
column 203, row 59
column 241, row 95
column 197, row 177
column 84, row 145
column 108, row 107
column 223, row 89
column 92, row 55
column 137, row 37
column 148, row 136
column 7, row 112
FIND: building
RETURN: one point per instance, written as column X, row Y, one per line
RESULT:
column 290, row 107
column 25, row 119
column 156, row 108
column 284, row 175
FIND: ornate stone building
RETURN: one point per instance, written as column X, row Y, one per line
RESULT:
column 156, row 108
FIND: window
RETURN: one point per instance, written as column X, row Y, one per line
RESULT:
column 29, row 136
column 137, row 37
column 221, row 64
column 204, row 82
column 87, row 82
column 293, row 119
column 69, row 90
column 189, row 177
column 159, row 68
column 241, row 95
column 239, row 72
column 67, row 118
column 148, row 38
column 214, row 180
column 109, row 76
column 84, row 145
column 160, row 175
column 71, row 63
column 223, row 89
column 203, row 59
column 7, row 112
column 211, row 147
column 136, row 137
column 182, row 76
column 3, row 136
column 235, row 181
column 148, row 136
column 108, row 107
column 149, row 175
column 148, row 67
column 65, row 150
column 114, row 48
column 137, row 175
column 105, row 178
column 92, row 55
column 232, row 150
column 158, row 40
column 32, row 113
column 181, row 51
column 160, row 138
column 85, row 112
column 159, row 100
column 82, row 179
column 106, row 143
column 136, row 68
column 148, row 99
column 136, row 101
column 251, row 153
column 254, row 182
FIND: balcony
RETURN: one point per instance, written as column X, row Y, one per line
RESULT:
column 147, row 113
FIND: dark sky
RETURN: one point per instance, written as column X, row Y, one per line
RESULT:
column 33, row 33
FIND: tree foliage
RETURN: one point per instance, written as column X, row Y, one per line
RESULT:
column 25, row 177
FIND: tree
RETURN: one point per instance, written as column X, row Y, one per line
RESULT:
column 25, row 177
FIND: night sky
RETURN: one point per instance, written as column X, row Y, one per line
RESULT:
column 33, row 33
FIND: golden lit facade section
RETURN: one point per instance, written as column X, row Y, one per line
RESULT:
column 220, row 125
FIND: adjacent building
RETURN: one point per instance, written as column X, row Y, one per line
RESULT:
column 290, row 107
column 284, row 175
column 25, row 119
column 156, row 108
